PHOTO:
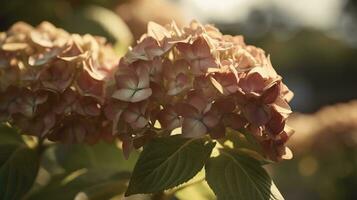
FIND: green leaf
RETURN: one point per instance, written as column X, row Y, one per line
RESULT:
column 5, row 152
column 9, row 135
column 18, row 164
column 19, row 167
column 167, row 162
column 83, row 184
column 100, row 156
column 242, row 139
column 238, row 177
column 244, row 143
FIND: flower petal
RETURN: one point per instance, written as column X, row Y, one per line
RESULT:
column 255, row 114
column 193, row 128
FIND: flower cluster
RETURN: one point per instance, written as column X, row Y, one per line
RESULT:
column 73, row 88
column 201, row 81
column 53, row 83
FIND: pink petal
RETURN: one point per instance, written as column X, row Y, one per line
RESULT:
column 205, row 86
column 141, row 95
column 217, row 131
column 234, row 121
column 169, row 119
column 245, row 59
column 276, row 124
column 211, row 119
column 112, row 108
column 186, row 50
column 146, row 49
column 270, row 95
column 134, row 115
column 58, row 76
column 158, row 93
column 139, row 123
column 200, row 48
column 200, row 66
column 127, row 81
column 130, row 95
column 156, row 68
column 287, row 94
column 253, row 83
column 127, row 146
column 255, row 114
column 186, row 110
column 193, row 128
column 224, row 105
column 100, row 71
column 43, row 58
column 91, row 108
column 88, row 86
column 198, row 101
column 143, row 76
column 124, row 94
column 157, row 31
column 180, row 84
column 41, row 39
column 282, row 107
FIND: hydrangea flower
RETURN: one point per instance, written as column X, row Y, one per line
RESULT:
column 53, row 84
column 73, row 88
column 201, row 81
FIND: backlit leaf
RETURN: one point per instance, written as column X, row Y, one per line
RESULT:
column 168, row 162
column 237, row 177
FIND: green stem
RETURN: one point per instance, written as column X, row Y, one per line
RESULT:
column 40, row 146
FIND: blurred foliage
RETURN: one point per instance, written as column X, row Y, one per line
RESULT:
column 80, row 171
column 75, row 171
column 77, row 16
column 328, row 173
column 54, row 11
column 100, row 156
column 325, row 162
column 309, row 62
column 83, row 184
column 18, row 164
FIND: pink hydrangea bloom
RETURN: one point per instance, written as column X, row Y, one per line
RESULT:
column 201, row 81
column 53, row 84
column 73, row 88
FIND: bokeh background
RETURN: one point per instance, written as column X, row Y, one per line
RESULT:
column 312, row 43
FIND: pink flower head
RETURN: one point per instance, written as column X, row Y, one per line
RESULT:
column 55, row 82
column 201, row 81
column 74, row 89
